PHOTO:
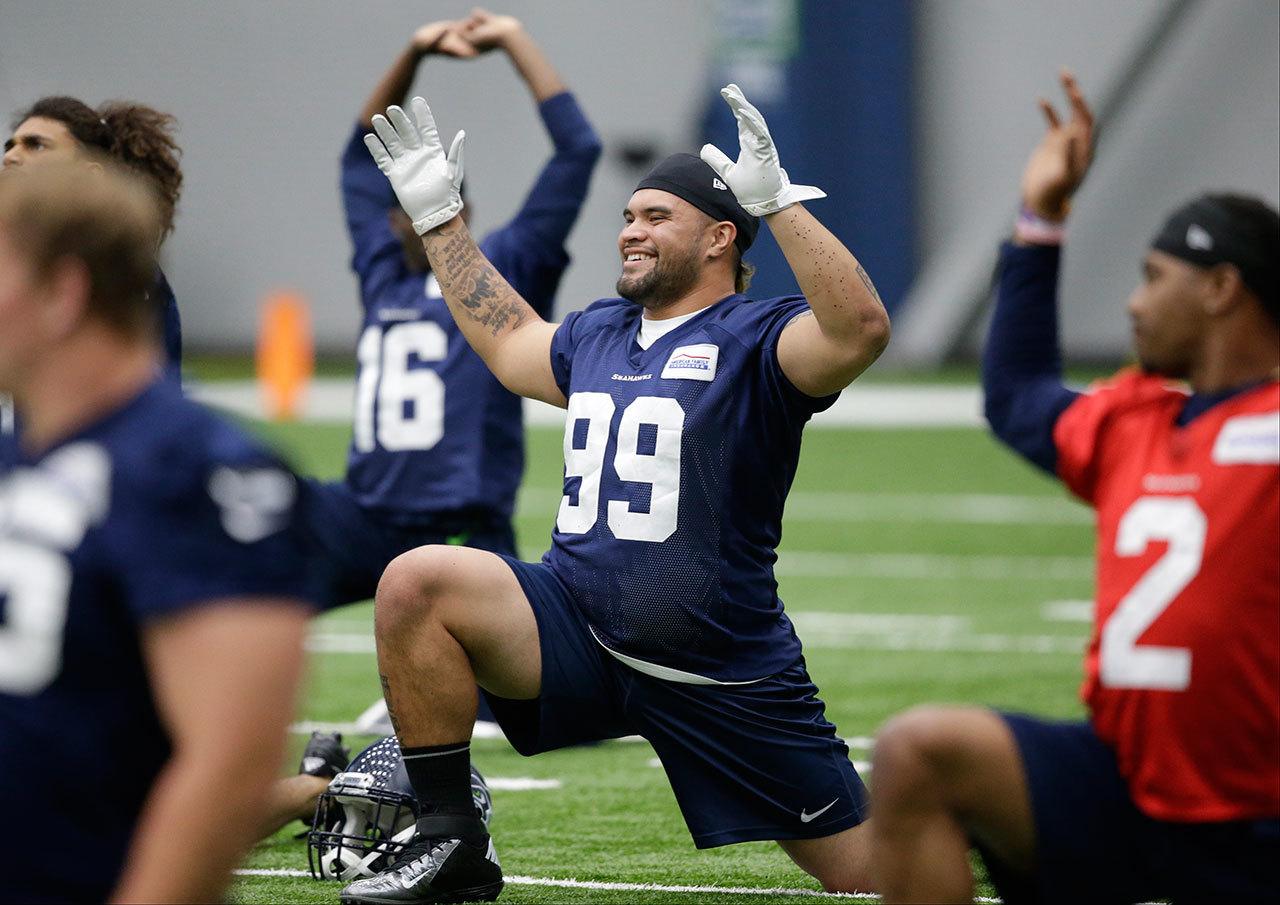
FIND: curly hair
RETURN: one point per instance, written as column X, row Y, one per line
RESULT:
column 136, row 135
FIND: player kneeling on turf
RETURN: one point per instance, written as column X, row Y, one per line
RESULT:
column 655, row 611
column 1172, row 788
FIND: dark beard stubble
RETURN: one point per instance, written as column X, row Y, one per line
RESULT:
column 668, row 281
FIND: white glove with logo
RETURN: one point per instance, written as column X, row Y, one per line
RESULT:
column 757, row 179
column 408, row 150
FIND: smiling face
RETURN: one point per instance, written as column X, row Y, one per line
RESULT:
column 1169, row 314
column 663, row 247
column 38, row 140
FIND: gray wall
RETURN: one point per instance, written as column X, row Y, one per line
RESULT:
column 266, row 93
column 1207, row 117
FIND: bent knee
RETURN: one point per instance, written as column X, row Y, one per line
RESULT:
column 924, row 743
column 936, row 750
column 412, row 587
column 911, row 734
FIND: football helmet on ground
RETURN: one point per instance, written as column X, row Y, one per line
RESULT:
column 366, row 817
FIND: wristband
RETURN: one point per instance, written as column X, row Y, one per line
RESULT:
column 1031, row 229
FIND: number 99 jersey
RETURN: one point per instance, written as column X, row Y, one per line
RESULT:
column 678, row 459
column 1182, row 675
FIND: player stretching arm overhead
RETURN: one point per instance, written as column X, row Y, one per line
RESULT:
column 655, row 611
column 152, row 575
column 437, row 450
column 1171, row 789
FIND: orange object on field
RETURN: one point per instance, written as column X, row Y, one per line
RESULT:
column 286, row 355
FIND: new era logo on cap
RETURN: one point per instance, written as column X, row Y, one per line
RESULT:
column 720, row 185
column 1198, row 238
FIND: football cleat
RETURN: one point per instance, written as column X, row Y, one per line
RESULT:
column 450, row 859
column 324, row 755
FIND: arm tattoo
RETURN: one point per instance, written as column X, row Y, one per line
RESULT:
column 808, row 312
column 386, row 696
column 467, row 277
column 866, row 281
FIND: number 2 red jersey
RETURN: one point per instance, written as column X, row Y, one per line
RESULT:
column 1182, row 674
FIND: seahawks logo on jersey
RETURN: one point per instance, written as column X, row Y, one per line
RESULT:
column 255, row 502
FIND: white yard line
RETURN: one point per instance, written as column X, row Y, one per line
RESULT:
column 814, row 564
column 521, row 783
column 846, row 631
column 306, row 727
column 644, row 887
column 1068, row 611
column 628, row 887
column 917, row 632
column 948, row 508
column 882, row 405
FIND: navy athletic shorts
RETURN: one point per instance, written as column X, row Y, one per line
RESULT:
column 1094, row 845
column 746, row 762
column 354, row 545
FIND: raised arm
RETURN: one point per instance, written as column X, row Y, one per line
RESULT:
column 503, row 329
column 849, row 328
column 224, row 677
column 1021, row 364
column 378, row 255
column 486, row 31
column 530, row 248
column 433, row 38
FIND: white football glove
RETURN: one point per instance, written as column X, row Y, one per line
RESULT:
column 408, row 150
column 757, row 180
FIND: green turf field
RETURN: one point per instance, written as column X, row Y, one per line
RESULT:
column 919, row 565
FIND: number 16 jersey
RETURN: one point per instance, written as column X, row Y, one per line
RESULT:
column 678, row 459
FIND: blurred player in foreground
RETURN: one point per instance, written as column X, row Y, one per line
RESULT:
column 438, row 445
column 137, row 136
column 655, row 611
column 151, row 571
column 1172, row 788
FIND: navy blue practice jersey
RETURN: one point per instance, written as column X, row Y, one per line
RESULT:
column 435, row 432
column 678, row 459
column 154, row 509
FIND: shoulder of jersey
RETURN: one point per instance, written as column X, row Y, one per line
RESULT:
column 604, row 313
column 610, row 307
column 742, row 317
column 1132, row 386
column 170, row 446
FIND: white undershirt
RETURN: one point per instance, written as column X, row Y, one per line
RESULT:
column 652, row 329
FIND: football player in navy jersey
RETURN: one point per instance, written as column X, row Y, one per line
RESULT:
column 140, row 137
column 152, row 572
column 656, row 610
column 437, row 450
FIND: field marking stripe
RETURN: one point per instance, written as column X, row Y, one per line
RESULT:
column 826, row 564
column 606, row 886
column 644, row 887
column 873, row 405
column 815, row 637
column 959, row 508
column 910, row 566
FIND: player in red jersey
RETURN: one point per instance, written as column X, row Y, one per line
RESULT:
column 1172, row 788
